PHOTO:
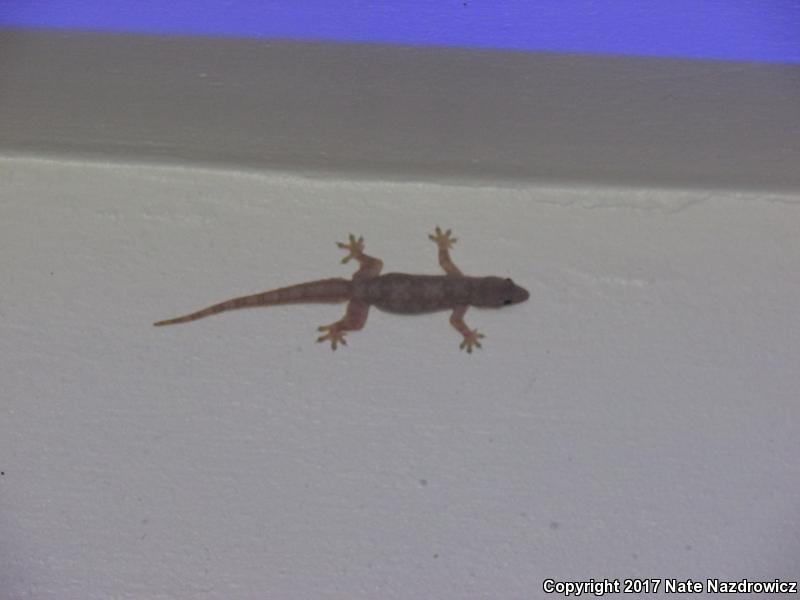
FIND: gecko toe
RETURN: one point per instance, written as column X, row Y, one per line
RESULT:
column 355, row 248
column 443, row 239
column 471, row 340
column 333, row 335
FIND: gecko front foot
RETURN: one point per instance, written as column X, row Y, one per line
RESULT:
column 471, row 339
column 443, row 239
column 334, row 335
column 356, row 248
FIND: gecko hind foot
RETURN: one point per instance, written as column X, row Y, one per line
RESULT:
column 334, row 335
column 471, row 339
column 443, row 239
column 355, row 246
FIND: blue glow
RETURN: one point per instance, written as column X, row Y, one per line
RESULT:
column 746, row 30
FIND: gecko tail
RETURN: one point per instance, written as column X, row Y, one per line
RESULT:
column 184, row 319
column 206, row 312
column 331, row 291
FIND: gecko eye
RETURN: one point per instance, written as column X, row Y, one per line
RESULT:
column 507, row 302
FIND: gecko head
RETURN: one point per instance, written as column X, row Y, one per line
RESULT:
column 495, row 292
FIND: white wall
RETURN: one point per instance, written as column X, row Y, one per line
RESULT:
column 636, row 418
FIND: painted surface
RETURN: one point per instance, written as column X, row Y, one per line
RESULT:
column 403, row 113
column 708, row 29
column 637, row 417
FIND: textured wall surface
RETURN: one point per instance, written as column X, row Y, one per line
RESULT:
column 637, row 417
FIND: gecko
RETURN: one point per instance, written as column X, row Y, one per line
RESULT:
column 397, row 293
